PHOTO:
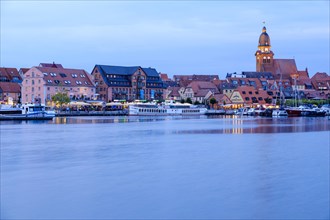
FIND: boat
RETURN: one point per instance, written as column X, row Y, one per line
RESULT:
column 260, row 111
column 306, row 111
column 242, row 111
column 9, row 109
column 215, row 112
column 280, row 112
column 168, row 108
column 31, row 112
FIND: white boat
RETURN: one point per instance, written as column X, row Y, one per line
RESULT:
column 167, row 108
column 31, row 111
column 280, row 112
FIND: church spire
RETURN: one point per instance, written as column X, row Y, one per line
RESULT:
column 264, row 55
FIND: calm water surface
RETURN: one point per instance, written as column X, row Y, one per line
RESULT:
column 180, row 168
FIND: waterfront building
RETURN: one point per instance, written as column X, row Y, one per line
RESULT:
column 173, row 93
column 265, row 62
column 43, row 81
column 10, row 85
column 10, row 75
column 10, row 93
column 199, row 91
column 321, row 81
column 128, row 83
column 221, row 99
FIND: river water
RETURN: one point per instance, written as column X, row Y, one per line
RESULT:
column 165, row 168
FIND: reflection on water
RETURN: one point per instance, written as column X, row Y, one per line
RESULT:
column 286, row 125
column 165, row 168
column 229, row 124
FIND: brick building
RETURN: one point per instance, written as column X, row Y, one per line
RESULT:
column 127, row 83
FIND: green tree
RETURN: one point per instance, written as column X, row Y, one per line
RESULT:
column 213, row 101
column 197, row 102
column 61, row 98
column 188, row 100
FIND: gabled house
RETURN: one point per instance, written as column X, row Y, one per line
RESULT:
column 10, row 85
column 10, row 75
column 199, row 91
column 321, row 81
column 43, row 81
column 172, row 93
column 10, row 93
column 249, row 95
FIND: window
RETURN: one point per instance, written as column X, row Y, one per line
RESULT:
column 243, row 92
column 46, row 74
column 74, row 75
column 250, row 92
column 32, row 82
column 49, row 81
column 260, row 98
column 257, row 92
column 247, row 98
column 62, row 75
column 82, row 75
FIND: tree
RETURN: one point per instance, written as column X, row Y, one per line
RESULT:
column 189, row 100
column 197, row 102
column 213, row 101
column 61, row 98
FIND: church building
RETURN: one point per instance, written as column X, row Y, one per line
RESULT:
column 265, row 61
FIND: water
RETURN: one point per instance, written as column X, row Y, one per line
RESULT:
column 152, row 168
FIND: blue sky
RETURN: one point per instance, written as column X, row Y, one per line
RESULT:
column 185, row 37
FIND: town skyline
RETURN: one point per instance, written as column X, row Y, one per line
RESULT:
column 173, row 37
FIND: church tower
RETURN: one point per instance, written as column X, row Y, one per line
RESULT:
column 264, row 56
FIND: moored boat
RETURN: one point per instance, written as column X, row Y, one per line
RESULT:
column 31, row 112
column 280, row 112
column 167, row 108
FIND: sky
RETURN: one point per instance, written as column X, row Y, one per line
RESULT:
column 175, row 37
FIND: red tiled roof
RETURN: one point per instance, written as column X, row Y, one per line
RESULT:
column 222, row 97
column 9, row 73
column 164, row 76
column 53, row 65
column 24, row 70
column 174, row 91
column 250, row 93
column 197, row 85
column 66, row 77
column 320, row 76
column 10, row 87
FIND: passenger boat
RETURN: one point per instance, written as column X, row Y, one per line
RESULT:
column 31, row 112
column 167, row 108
